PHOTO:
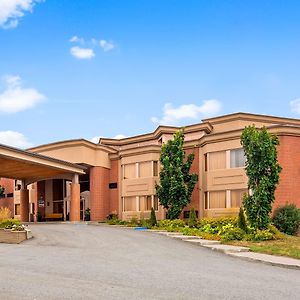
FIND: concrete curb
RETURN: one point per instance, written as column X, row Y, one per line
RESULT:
column 243, row 253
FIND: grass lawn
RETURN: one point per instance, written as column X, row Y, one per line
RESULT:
column 288, row 246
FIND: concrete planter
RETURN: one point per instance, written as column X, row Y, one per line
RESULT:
column 12, row 237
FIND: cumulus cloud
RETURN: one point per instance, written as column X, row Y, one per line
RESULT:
column 106, row 45
column 120, row 136
column 95, row 139
column 82, row 53
column 174, row 115
column 76, row 39
column 15, row 98
column 295, row 106
column 14, row 139
column 12, row 10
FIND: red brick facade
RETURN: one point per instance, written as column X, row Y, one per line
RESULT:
column 288, row 190
column 99, row 193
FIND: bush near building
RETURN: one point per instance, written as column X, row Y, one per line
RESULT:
column 287, row 219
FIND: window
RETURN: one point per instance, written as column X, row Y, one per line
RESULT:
column 129, row 203
column 217, row 199
column 155, row 168
column 155, row 204
column 237, row 158
column 206, row 200
column 17, row 209
column 145, row 169
column 217, row 160
column 129, row 171
column 205, row 162
column 237, row 197
column 145, row 203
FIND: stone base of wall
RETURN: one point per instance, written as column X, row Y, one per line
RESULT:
column 221, row 212
column 12, row 237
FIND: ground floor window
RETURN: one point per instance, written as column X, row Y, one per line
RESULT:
column 217, row 199
column 224, row 199
column 17, row 209
column 129, row 204
column 237, row 197
column 140, row 203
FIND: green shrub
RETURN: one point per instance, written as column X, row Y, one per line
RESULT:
column 171, row 225
column 153, row 221
column 9, row 223
column 262, row 235
column 217, row 222
column 192, row 222
column 208, row 229
column 229, row 233
column 287, row 219
column 242, row 220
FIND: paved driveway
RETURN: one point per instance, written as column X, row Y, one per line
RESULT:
column 66, row 261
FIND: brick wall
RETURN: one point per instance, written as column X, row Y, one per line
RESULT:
column 9, row 186
column 99, row 193
column 288, row 189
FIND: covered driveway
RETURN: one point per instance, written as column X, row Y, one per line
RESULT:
column 31, row 167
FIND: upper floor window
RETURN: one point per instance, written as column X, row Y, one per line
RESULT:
column 129, row 171
column 217, row 160
column 237, row 158
column 155, row 168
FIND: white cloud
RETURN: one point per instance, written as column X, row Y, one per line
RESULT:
column 295, row 106
column 174, row 115
column 120, row 136
column 106, row 45
column 15, row 98
column 95, row 139
column 76, row 39
column 14, row 139
column 12, row 10
column 82, row 53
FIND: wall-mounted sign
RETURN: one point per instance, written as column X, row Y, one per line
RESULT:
column 113, row 185
column 41, row 203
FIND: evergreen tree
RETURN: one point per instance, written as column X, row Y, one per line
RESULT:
column 263, row 171
column 153, row 221
column 192, row 222
column 176, row 183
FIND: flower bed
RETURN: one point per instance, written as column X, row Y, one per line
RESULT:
column 12, row 231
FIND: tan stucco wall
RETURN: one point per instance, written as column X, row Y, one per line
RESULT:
column 79, row 154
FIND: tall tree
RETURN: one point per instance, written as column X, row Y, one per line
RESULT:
column 176, row 183
column 262, row 169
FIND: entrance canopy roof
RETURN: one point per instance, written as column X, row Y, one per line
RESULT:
column 28, row 166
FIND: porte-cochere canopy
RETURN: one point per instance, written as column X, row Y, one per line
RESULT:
column 31, row 167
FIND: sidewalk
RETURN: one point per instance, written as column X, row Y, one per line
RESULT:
column 239, row 252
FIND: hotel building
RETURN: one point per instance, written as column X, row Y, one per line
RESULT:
column 60, row 180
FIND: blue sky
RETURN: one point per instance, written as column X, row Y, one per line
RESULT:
column 90, row 68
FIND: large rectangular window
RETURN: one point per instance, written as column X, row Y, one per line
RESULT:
column 129, row 171
column 155, row 168
column 145, row 169
column 145, row 203
column 217, row 199
column 129, row 203
column 155, row 204
column 237, row 197
column 17, row 209
column 217, row 160
column 237, row 158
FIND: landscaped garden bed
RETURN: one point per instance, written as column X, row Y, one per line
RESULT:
column 12, row 231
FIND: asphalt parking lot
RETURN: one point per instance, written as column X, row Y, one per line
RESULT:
column 79, row 261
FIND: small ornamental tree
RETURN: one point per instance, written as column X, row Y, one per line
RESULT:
column 153, row 221
column 176, row 183
column 263, row 171
column 1, row 190
column 192, row 222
